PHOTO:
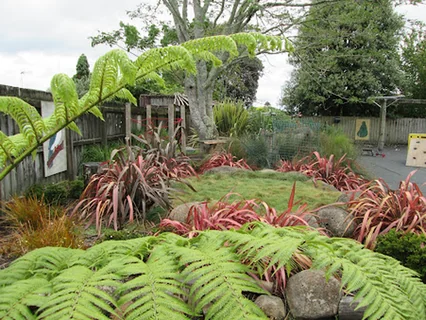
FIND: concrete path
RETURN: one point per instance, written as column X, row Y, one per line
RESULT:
column 392, row 167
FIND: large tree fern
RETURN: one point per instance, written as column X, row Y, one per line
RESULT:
column 173, row 277
column 112, row 73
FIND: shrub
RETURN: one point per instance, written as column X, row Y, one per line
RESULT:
column 336, row 173
column 57, row 193
column 136, row 277
column 408, row 248
column 380, row 209
column 128, row 187
column 231, row 118
column 257, row 150
column 98, row 153
column 334, row 142
column 223, row 159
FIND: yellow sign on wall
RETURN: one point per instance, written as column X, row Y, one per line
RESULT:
column 362, row 129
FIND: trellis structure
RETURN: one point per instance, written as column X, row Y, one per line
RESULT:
column 173, row 103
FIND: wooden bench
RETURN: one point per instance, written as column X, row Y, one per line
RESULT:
column 210, row 146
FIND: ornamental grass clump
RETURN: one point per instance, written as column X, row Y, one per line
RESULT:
column 380, row 209
column 336, row 173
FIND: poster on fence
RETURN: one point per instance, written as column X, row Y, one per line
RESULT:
column 362, row 129
column 54, row 149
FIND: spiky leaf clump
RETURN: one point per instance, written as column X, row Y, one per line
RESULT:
column 173, row 277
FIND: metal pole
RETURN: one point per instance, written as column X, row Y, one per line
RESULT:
column 382, row 132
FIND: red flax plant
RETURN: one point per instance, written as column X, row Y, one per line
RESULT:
column 223, row 159
column 336, row 173
column 380, row 209
column 126, row 189
column 223, row 215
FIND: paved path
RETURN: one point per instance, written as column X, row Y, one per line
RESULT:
column 392, row 167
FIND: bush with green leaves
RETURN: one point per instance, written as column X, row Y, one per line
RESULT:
column 172, row 277
column 407, row 247
column 334, row 141
column 98, row 153
column 59, row 193
column 231, row 118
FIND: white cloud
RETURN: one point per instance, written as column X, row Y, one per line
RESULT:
column 45, row 37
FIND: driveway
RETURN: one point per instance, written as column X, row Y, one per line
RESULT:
column 391, row 167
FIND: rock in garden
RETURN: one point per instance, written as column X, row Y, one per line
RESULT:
column 347, row 310
column 343, row 198
column 310, row 296
column 180, row 213
column 272, row 306
column 224, row 169
column 324, row 186
column 336, row 220
column 312, row 221
column 349, row 196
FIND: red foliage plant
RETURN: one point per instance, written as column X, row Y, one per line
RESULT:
column 223, row 215
column 129, row 186
column 223, row 159
column 380, row 209
column 336, row 173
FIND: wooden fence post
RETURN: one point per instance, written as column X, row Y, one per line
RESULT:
column 183, row 130
column 128, row 122
column 171, row 118
column 104, row 128
column 70, row 154
column 382, row 132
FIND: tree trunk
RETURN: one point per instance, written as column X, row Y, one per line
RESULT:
column 200, row 97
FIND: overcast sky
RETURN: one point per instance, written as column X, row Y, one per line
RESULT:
column 45, row 37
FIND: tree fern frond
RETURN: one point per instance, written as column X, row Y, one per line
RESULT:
column 154, row 291
column 218, row 278
column 97, row 113
column 7, row 148
column 163, row 59
column 27, row 118
column 77, row 294
column 212, row 44
column 208, row 56
column 126, row 95
column 65, row 98
column 16, row 299
column 73, row 126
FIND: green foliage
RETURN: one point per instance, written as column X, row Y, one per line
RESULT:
column 231, row 118
column 334, row 141
column 111, row 74
column 59, row 193
column 407, row 248
column 257, row 150
column 239, row 81
column 173, row 277
column 345, row 53
column 98, row 153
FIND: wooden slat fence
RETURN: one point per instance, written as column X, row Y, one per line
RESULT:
column 397, row 130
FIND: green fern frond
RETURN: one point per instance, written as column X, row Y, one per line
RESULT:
column 154, row 291
column 218, row 278
column 27, row 118
column 77, row 294
column 212, row 44
column 373, row 278
column 65, row 98
column 7, row 148
column 16, row 299
column 126, row 95
column 164, row 59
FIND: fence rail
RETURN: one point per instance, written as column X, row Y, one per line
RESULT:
column 397, row 130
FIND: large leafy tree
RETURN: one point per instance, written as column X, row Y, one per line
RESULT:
column 345, row 54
